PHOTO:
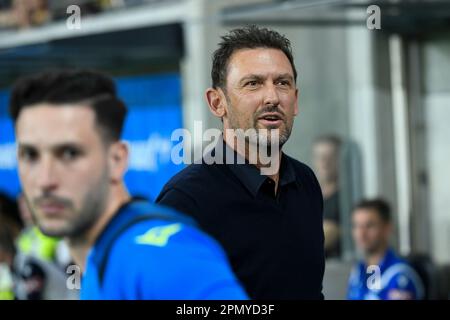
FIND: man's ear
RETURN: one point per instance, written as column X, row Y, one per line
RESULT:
column 118, row 160
column 216, row 101
column 296, row 110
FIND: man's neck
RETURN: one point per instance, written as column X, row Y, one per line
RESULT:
column 243, row 151
column 79, row 247
column 376, row 257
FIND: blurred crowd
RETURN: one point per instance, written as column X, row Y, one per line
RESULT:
column 32, row 265
column 23, row 14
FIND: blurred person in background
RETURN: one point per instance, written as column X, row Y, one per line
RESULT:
column 24, row 14
column 10, row 226
column 6, row 14
column 41, row 262
column 33, row 242
column 380, row 274
column 29, row 13
column 71, row 165
column 58, row 8
column 10, row 215
column 7, row 254
column 326, row 164
column 33, row 257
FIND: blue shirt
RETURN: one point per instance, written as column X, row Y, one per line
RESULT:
column 392, row 279
column 160, row 259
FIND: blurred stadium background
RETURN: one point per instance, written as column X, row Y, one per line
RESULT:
column 385, row 93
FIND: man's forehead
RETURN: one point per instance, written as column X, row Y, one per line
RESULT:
column 257, row 54
column 366, row 214
column 325, row 147
column 246, row 60
column 50, row 124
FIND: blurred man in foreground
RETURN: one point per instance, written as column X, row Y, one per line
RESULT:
column 71, row 165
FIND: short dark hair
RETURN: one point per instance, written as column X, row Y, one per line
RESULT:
column 380, row 206
column 89, row 87
column 249, row 37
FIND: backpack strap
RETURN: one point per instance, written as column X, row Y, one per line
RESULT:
column 129, row 215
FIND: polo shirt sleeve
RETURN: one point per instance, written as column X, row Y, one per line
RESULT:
column 178, row 200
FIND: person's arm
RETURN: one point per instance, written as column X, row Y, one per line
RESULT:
column 331, row 232
column 191, row 265
column 178, row 200
column 405, row 285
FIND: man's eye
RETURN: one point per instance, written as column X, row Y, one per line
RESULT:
column 253, row 83
column 69, row 154
column 283, row 83
column 28, row 155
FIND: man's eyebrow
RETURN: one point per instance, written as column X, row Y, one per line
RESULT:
column 285, row 76
column 67, row 145
column 56, row 147
column 260, row 77
column 252, row 77
column 22, row 145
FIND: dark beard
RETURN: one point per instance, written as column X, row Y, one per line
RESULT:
column 94, row 205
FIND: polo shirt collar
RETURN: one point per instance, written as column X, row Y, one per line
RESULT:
column 251, row 177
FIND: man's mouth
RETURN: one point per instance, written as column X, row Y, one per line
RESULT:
column 271, row 119
column 52, row 208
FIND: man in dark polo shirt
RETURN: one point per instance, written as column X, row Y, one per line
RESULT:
column 270, row 225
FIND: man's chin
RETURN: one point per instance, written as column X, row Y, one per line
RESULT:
column 269, row 134
column 54, row 231
column 368, row 251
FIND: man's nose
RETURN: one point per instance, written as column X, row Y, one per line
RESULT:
column 271, row 95
column 47, row 177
